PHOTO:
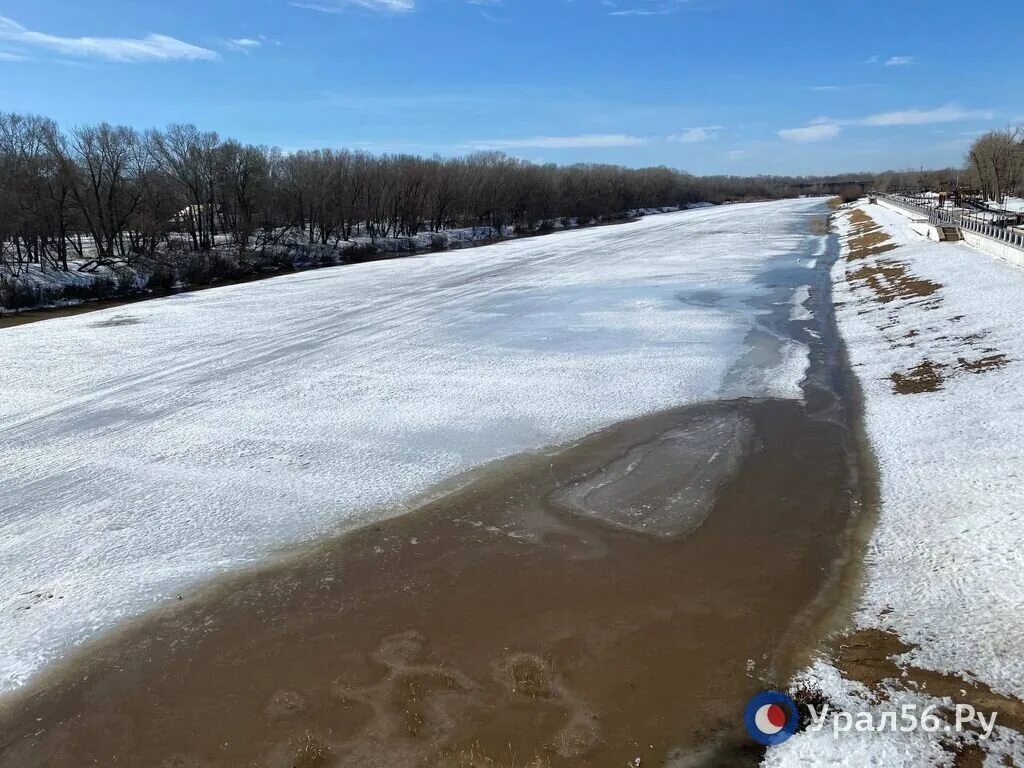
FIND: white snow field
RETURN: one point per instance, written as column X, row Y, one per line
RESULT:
column 945, row 565
column 150, row 447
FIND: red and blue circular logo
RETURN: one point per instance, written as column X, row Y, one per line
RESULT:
column 771, row 718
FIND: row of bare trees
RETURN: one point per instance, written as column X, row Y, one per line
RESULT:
column 996, row 163
column 104, row 195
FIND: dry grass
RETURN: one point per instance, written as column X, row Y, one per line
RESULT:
column 475, row 757
column 891, row 283
column 869, row 244
column 312, row 754
column 983, row 364
column 819, row 225
column 926, row 376
column 890, row 280
column 859, row 218
column 866, row 237
column 530, row 678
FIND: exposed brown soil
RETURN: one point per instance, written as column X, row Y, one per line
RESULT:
column 860, row 219
column 890, row 280
column 926, row 376
column 492, row 627
column 869, row 244
column 866, row 238
column 892, row 284
column 868, row 656
column 969, row 756
column 983, row 364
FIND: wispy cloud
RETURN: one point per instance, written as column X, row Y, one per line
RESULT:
column 245, row 45
column 948, row 113
column 890, row 61
column 825, row 128
column 646, row 7
column 696, row 135
column 343, row 6
column 119, row 49
column 810, row 133
column 588, row 140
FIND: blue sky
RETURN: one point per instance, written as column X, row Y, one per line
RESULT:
column 708, row 86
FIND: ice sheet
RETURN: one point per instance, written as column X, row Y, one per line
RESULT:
column 150, row 447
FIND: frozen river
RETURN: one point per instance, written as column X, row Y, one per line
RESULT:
column 148, row 448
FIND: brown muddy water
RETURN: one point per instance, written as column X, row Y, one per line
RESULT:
column 507, row 621
column 613, row 602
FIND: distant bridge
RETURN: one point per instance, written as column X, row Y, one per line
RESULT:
column 833, row 187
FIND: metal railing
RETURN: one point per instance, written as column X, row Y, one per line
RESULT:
column 973, row 222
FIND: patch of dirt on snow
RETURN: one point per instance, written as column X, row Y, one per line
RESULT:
column 894, row 286
column 870, row 657
column 866, row 237
column 969, row 756
column 984, row 364
column 926, row 376
column 890, row 280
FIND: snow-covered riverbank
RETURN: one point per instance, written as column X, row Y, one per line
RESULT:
column 933, row 334
column 151, row 447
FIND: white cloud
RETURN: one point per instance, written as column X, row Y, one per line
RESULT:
column 891, row 61
column 816, row 132
column 696, row 135
column 825, row 128
column 120, row 49
column 657, row 8
column 341, row 6
column 590, row 140
column 948, row 113
column 9, row 56
column 246, row 45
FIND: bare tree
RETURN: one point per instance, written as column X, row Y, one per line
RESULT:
column 997, row 160
column 104, row 168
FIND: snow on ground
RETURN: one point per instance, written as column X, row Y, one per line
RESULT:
column 945, row 565
column 149, row 447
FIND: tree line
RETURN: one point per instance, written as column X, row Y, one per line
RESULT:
column 996, row 164
column 993, row 168
column 103, row 194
